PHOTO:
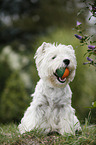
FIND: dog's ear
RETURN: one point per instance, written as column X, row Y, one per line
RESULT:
column 41, row 50
column 40, row 53
column 43, row 47
column 70, row 46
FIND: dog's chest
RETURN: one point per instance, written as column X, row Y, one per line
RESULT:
column 57, row 98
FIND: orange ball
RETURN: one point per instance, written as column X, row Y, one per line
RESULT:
column 66, row 73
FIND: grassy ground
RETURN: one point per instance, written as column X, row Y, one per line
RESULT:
column 9, row 135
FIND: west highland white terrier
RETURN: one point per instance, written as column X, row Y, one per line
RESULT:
column 51, row 109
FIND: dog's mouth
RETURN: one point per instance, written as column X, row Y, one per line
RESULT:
column 60, row 79
column 62, row 74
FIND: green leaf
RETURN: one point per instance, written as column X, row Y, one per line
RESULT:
column 89, row 50
column 94, row 104
column 90, row 18
column 80, row 12
column 85, row 53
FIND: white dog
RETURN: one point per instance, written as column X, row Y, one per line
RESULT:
column 51, row 108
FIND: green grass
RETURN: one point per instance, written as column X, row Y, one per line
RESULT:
column 9, row 134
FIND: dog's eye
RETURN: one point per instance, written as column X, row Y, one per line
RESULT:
column 54, row 57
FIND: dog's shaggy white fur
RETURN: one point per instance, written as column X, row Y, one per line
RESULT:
column 51, row 108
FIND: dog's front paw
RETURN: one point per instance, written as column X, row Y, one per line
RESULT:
column 21, row 129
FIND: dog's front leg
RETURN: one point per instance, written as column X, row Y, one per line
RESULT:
column 35, row 116
column 68, row 121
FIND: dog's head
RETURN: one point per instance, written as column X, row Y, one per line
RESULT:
column 50, row 58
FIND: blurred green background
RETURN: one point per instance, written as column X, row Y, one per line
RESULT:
column 24, row 25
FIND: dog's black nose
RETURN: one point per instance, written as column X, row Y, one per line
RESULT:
column 66, row 61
